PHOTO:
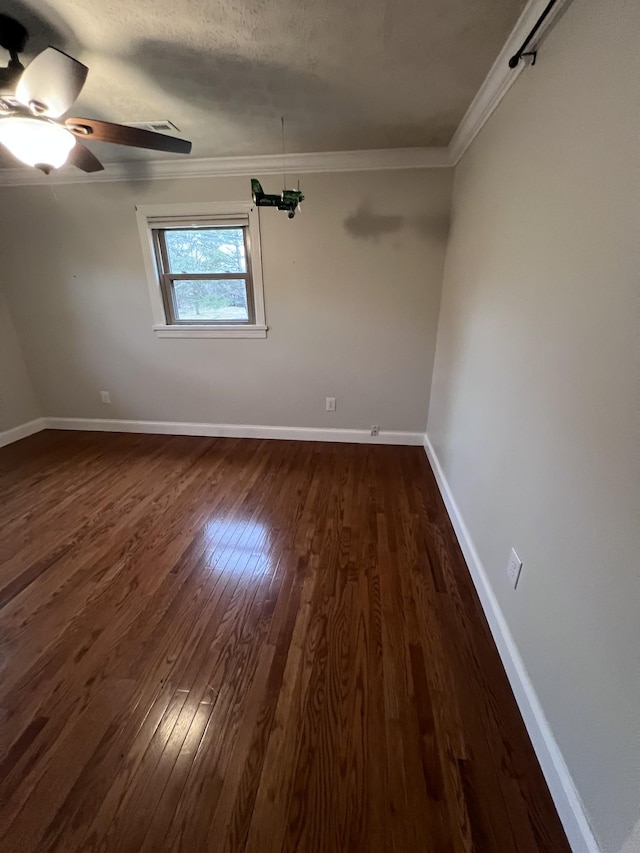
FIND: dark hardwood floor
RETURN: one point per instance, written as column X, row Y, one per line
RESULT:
column 241, row 645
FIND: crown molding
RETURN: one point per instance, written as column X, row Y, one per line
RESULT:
column 501, row 78
column 216, row 167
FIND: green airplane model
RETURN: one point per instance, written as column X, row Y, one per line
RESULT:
column 289, row 200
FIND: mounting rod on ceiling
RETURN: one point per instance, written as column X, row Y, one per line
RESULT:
column 515, row 59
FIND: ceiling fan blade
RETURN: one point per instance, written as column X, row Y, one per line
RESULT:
column 81, row 157
column 104, row 131
column 51, row 83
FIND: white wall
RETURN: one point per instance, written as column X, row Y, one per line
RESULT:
column 352, row 289
column 534, row 413
column 18, row 404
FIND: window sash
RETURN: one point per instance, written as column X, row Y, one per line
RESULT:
column 167, row 278
column 168, row 296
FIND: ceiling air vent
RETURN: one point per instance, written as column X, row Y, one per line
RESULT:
column 160, row 126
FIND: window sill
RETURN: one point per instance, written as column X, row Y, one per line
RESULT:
column 207, row 331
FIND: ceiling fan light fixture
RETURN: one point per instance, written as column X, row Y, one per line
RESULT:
column 36, row 142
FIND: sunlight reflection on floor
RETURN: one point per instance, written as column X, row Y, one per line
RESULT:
column 239, row 545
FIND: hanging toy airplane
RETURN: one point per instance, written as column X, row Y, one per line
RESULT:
column 289, row 200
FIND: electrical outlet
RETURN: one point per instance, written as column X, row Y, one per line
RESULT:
column 375, row 429
column 514, row 567
column 106, row 396
column 331, row 404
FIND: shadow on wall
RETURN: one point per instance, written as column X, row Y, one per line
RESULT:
column 366, row 224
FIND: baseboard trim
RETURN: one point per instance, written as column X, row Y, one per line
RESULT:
column 357, row 436
column 8, row 436
column 556, row 773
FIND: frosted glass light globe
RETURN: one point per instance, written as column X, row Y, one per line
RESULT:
column 36, row 142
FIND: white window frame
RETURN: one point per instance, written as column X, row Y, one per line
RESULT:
column 149, row 215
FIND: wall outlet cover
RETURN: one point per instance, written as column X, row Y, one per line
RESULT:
column 514, row 566
column 331, row 404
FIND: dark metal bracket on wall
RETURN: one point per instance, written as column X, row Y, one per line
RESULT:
column 515, row 59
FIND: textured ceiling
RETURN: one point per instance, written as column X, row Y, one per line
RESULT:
column 346, row 74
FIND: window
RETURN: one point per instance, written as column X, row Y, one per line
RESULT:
column 204, row 274
column 203, row 269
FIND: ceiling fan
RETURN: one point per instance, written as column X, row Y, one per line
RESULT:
column 32, row 102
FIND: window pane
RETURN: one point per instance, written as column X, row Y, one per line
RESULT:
column 221, row 300
column 198, row 250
